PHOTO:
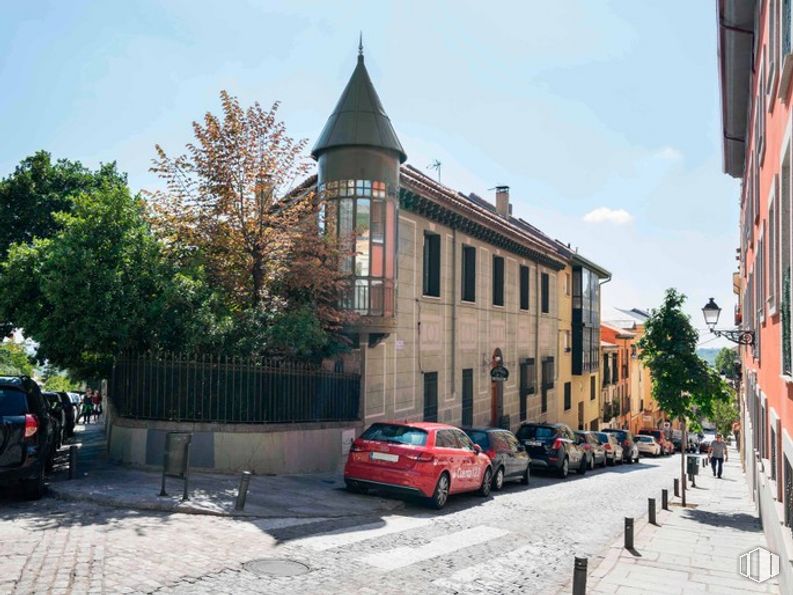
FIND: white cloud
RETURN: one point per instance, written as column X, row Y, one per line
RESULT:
column 669, row 154
column 607, row 215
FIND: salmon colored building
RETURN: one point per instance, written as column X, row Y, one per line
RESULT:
column 755, row 61
column 616, row 348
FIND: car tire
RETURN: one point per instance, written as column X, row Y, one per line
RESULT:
column 564, row 470
column 441, row 494
column 583, row 465
column 487, row 483
column 592, row 463
column 33, row 488
column 525, row 478
column 355, row 487
column 611, row 462
column 605, row 462
column 498, row 480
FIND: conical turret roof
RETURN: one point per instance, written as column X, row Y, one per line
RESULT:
column 359, row 119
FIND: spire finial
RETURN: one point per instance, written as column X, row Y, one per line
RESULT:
column 360, row 45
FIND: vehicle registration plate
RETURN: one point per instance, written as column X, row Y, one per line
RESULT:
column 384, row 456
column 533, row 443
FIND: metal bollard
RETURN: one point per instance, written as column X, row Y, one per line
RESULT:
column 242, row 492
column 677, row 488
column 579, row 576
column 73, row 461
column 665, row 499
column 628, row 533
column 651, row 510
column 704, row 462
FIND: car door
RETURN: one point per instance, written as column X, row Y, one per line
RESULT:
column 576, row 450
column 517, row 459
column 471, row 468
column 447, row 456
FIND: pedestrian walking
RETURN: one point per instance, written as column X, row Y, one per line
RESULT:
column 96, row 400
column 717, row 453
column 87, row 408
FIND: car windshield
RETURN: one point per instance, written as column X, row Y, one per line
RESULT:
column 396, row 433
column 539, row 432
column 12, row 402
column 479, row 437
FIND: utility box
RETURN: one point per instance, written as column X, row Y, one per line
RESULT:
column 692, row 465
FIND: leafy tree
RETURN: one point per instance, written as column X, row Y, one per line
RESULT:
column 90, row 290
column 39, row 188
column 726, row 362
column 225, row 197
column 683, row 385
column 724, row 414
column 14, row 359
column 60, row 383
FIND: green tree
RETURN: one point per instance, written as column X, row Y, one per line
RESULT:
column 726, row 362
column 14, row 359
column 683, row 385
column 724, row 414
column 90, row 290
column 39, row 188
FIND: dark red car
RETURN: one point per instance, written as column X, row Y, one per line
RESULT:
column 430, row 460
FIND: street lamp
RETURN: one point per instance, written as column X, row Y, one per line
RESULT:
column 711, row 313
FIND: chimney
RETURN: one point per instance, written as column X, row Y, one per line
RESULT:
column 502, row 201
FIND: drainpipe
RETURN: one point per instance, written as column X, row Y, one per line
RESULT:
column 600, row 392
column 454, row 312
column 537, row 359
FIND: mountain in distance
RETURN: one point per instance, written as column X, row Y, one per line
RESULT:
column 708, row 354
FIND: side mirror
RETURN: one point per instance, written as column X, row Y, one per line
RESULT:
column 477, row 449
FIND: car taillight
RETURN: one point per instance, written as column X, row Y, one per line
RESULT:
column 607, row 446
column 31, row 425
column 557, row 444
column 421, row 457
column 491, row 453
column 357, row 446
column 626, row 444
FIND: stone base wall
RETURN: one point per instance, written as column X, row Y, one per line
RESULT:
column 230, row 448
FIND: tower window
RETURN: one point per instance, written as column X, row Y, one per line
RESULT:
column 469, row 274
column 432, row 265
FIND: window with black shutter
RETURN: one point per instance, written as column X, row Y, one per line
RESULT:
column 592, row 388
column 524, row 288
column 468, row 397
column 568, row 396
column 544, row 297
column 498, row 281
column 469, row 274
column 432, row 264
column 430, row 396
column 527, row 387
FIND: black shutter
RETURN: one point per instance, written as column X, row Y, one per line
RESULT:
column 432, row 265
column 524, row 288
column 568, row 394
column 498, row 281
column 430, row 396
column 544, row 289
column 469, row 274
column 468, row 397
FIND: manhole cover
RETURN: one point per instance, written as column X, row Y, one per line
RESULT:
column 271, row 567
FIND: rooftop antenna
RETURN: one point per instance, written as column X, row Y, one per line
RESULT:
column 436, row 165
column 360, row 44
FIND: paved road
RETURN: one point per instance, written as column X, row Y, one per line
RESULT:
column 521, row 540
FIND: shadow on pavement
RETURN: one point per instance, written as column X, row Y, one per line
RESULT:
column 739, row 520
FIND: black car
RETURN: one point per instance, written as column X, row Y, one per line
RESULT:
column 27, row 438
column 68, row 415
column 508, row 456
column 630, row 452
column 58, row 416
column 553, row 447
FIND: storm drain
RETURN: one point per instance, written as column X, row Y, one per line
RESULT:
column 273, row 567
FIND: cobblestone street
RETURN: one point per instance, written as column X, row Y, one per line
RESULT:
column 520, row 540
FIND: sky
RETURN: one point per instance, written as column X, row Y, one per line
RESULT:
column 602, row 117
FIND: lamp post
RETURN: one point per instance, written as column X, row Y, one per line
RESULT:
column 711, row 312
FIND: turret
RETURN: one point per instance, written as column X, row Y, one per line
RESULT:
column 358, row 155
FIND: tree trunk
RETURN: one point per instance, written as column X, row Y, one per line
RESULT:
column 683, row 450
column 257, row 272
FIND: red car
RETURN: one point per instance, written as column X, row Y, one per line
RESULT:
column 430, row 460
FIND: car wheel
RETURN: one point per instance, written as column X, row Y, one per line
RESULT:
column 605, row 461
column 487, row 483
column 441, row 494
column 33, row 488
column 611, row 462
column 355, row 487
column 526, row 475
column 592, row 462
column 498, row 479
column 564, row 470
column 582, row 465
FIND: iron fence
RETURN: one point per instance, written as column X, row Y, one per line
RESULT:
column 222, row 389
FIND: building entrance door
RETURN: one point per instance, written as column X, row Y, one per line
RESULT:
column 581, row 425
column 496, row 392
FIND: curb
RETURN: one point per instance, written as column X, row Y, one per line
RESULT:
column 188, row 508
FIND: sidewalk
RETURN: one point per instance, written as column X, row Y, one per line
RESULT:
column 320, row 495
column 693, row 549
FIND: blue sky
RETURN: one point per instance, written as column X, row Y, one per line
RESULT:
column 606, row 109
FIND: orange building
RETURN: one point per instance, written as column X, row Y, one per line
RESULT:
column 616, row 357
column 755, row 69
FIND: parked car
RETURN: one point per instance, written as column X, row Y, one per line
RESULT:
column 508, row 457
column 648, row 446
column 55, row 408
column 430, row 460
column 667, row 448
column 27, row 444
column 76, row 399
column 553, row 447
column 630, row 452
column 596, row 455
column 611, row 446
column 69, row 414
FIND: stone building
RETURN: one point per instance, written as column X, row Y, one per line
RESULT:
column 460, row 304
